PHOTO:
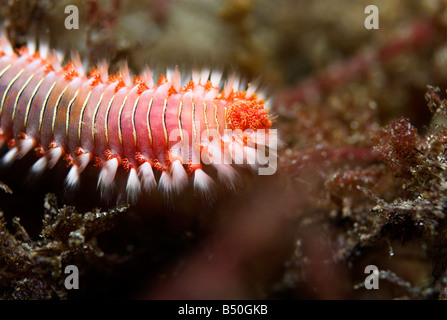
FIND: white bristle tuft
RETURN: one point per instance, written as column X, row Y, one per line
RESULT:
column 204, row 76
column 176, row 79
column 107, row 174
column 31, row 45
column 268, row 103
column 54, row 60
column 237, row 152
column 215, row 151
column 146, row 76
column 179, row 176
column 72, row 179
column 203, row 184
column 125, row 74
column 44, row 50
column 103, row 72
column 133, row 186
column 236, row 83
column 83, row 160
column 60, row 55
column 25, row 146
column 169, row 73
column 165, row 183
column 251, row 156
column 9, row 157
column 228, row 87
column 206, row 156
column 39, row 166
column 251, row 90
column 227, row 175
column 216, row 76
column 54, row 154
column 7, row 49
column 76, row 59
column 195, row 76
column 147, row 177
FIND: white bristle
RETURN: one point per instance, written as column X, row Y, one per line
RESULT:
column 83, row 160
column 165, row 183
column 216, row 76
column 251, row 90
column 205, row 155
column 54, row 61
column 147, row 177
column 60, row 55
column 179, row 176
column 125, row 74
column 203, row 184
column 228, row 87
column 204, row 75
column 133, row 186
column 195, row 76
column 176, row 79
column 72, row 179
column 25, row 146
column 103, row 72
column 44, row 50
column 169, row 73
column 9, row 157
column 227, row 175
column 268, row 103
column 215, row 151
column 236, row 83
column 54, row 154
column 227, row 155
column 39, row 166
column 76, row 59
column 107, row 174
column 250, row 155
column 237, row 152
column 31, row 45
column 7, row 49
column 146, row 76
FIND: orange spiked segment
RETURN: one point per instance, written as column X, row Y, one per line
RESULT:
column 248, row 115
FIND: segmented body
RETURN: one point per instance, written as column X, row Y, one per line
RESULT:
column 143, row 126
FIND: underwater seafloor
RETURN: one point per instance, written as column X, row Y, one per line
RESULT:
column 361, row 178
